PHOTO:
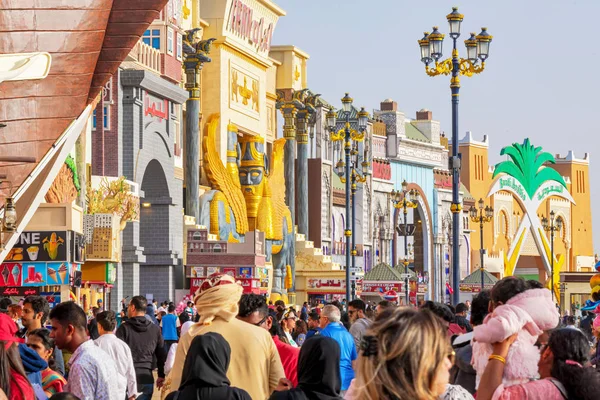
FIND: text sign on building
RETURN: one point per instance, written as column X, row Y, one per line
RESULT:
column 40, row 246
column 256, row 31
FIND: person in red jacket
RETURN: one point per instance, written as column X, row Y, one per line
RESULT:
column 15, row 384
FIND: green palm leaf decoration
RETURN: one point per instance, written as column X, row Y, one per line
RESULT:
column 526, row 165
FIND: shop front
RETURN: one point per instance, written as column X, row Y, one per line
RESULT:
column 575, row 290
column 97, row 280
column 45, row 259
column 471, row 285
column 245, row 262
column 383, row 279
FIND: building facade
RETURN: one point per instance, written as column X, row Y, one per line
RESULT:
column 506, row 251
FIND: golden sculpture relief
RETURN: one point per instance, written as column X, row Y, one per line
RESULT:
column 244, row 91
column 255, row 95
column 220, row 178
column 296, row 74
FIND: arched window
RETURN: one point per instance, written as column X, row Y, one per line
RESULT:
column 217, row 248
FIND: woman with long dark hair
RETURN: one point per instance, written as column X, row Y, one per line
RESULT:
column 13, row 379
column 563, row 367
column 318, row 372
column 40, row 341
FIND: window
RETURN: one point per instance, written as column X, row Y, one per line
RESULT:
column 179, row 46
column 106, row 120
column 152, row 38
column 170, row 41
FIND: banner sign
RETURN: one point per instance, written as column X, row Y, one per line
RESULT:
column 19, row 291
column 40, row 246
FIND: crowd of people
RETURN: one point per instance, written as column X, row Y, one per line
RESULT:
column 508, row 343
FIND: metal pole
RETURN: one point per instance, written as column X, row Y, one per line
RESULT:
column 353, row 234
column 456, row 206
column 552, row 264
column 406, row 280
column 482, row 251
column 348, row 232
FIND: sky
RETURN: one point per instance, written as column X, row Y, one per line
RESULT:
column 539, row 81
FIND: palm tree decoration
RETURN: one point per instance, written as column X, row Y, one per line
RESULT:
column 527, row 166
column 535, row 182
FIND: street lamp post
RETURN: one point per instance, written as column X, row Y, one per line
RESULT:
column 485, row 215
column 431, row 51
column 552, row 225
column 404, row 200
column 348, row 174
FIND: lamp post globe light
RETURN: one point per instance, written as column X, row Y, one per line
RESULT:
column 484, row 215
column 552, row 225
column 349, row 174
column 477, row 46
column 405, row 199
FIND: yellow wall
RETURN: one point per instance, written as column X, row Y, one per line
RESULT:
column 581, row 213
column 575, row 239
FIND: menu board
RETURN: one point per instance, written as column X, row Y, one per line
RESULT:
column 10, row 274
column 34, row 274
column 34, row 246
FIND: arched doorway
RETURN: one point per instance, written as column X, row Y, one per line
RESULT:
column 154, row 213
column 156, row 274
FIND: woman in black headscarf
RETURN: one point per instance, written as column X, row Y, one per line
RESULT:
column 318, row 372
column 205, row 371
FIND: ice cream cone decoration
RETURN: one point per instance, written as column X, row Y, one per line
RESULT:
column 52, row 275
column 62, row 272
column 16, row 274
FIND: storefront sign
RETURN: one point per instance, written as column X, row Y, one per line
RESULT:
column 39, row 246
column 156, row 109
column 382, row 170
column 381, row 287
column 10, row 274
column 111, row 273
column 53, row 298
column 19, row 291
column 35, row 274
column 325, row 284
column 257, row 32
column 195, row 283
column 473, row 288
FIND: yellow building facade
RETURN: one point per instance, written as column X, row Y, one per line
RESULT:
column 573, row 244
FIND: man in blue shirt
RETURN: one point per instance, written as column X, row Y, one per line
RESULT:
column 313, row 324
column 331, row 327
column 169, row 328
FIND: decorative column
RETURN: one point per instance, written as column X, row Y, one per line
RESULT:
column 195, row 57
column 289, row 110
column 302, row 117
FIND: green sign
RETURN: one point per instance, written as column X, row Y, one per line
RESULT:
column 549, row 190
column 510, row 182
column 111, row 273
column 527, row 166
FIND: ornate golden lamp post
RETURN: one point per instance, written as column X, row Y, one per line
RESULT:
column 347, row 171
column 552, row 225
column 478, row 47
column 485, row 215
column 405, row 199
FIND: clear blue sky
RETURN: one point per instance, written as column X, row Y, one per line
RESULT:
column 540, row 81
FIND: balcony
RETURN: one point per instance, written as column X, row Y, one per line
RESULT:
column 145, row 55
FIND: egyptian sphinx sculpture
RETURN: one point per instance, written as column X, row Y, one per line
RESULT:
column 248, row 193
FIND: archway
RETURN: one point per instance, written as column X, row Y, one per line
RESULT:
column 154, row 210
